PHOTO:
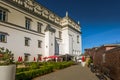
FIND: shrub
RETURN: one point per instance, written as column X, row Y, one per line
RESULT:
column 33, row 71
column 34, row 65
column 18, row 70
column 28, row 75
column 90, row 61
column 18, row 63
column 6, row 56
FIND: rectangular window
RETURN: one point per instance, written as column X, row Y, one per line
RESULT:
column 77, row 39
column 39, row 28
column 26, row 57
column 3, row 38
column 39, row 43
column 3, row 15
column 39, row 58
column 28, row 23
column 60, row 34
column 27, row 41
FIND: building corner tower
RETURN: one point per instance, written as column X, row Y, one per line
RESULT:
column 71, row 36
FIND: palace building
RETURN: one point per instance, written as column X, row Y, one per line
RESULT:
column 31, row 30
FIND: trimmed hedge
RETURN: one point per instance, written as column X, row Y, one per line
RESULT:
column 28, row 75
column 30, row 66
column 44, row 69
column 34, row 66
column 61, row 65
column 18, row 70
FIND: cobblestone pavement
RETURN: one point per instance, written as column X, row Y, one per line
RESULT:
column 76, row 72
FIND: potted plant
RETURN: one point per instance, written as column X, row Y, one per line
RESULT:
column 7, row 66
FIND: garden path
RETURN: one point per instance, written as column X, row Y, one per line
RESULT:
column 76, row 72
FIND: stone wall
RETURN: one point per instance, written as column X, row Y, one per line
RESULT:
column 112, row 62
column 107, row 57
column 99, row 53
column 98, row 56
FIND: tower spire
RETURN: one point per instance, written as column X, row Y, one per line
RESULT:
column 66, row 13
column 78, row 22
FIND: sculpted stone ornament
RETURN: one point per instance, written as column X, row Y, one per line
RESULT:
column 38, row 9
column 32, row 5
column 21, row 2
column 51, row 17
column 29, row 4
column 45, row 13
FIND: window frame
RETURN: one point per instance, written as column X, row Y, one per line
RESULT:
column 39, row 27
column 60, row 34
column 28, row 23
column 3, row 14
column 26, row 57
column 78, row 39
column 28, row 41
column 39, row 44
column 3, row 37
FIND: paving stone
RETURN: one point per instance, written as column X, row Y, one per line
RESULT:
column 76, row 72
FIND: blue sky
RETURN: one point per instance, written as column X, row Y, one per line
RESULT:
column 99, row 19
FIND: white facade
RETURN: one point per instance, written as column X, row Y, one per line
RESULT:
column 57, row 35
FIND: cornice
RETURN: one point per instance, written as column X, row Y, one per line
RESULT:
column 72, row 28
column 4, row 8
column 49, row 28
column 1, row 32
column 22, row 7
column 68, row 17
column 43, row 13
